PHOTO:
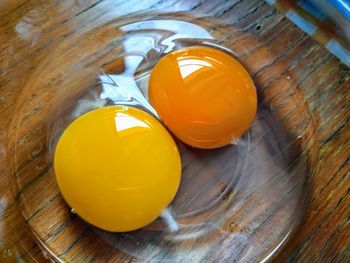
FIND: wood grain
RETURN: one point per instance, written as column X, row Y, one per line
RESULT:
column 324, row 233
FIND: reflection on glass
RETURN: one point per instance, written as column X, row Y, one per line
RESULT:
column 174, row 28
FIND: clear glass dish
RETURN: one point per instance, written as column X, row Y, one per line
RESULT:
column 239, row 203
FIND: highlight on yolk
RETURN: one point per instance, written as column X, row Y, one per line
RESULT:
column 118, row 167
column 203, row 95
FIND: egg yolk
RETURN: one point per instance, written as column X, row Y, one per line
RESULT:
column 118, row 167
column 203, row 95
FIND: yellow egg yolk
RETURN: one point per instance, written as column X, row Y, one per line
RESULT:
column 118, row 167
column 203, row 95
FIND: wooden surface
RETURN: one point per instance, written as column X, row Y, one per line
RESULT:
column 324, row 234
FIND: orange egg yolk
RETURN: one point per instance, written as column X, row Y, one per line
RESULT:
column 118, row 167
column 203, row 95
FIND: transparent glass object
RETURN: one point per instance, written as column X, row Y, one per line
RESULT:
column 237, row 203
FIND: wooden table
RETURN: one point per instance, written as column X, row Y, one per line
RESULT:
column 324, row 234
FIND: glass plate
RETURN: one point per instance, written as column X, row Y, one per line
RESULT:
column 237, row 203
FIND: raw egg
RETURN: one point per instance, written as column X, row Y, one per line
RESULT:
column 203, row 95
column 118, row 167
